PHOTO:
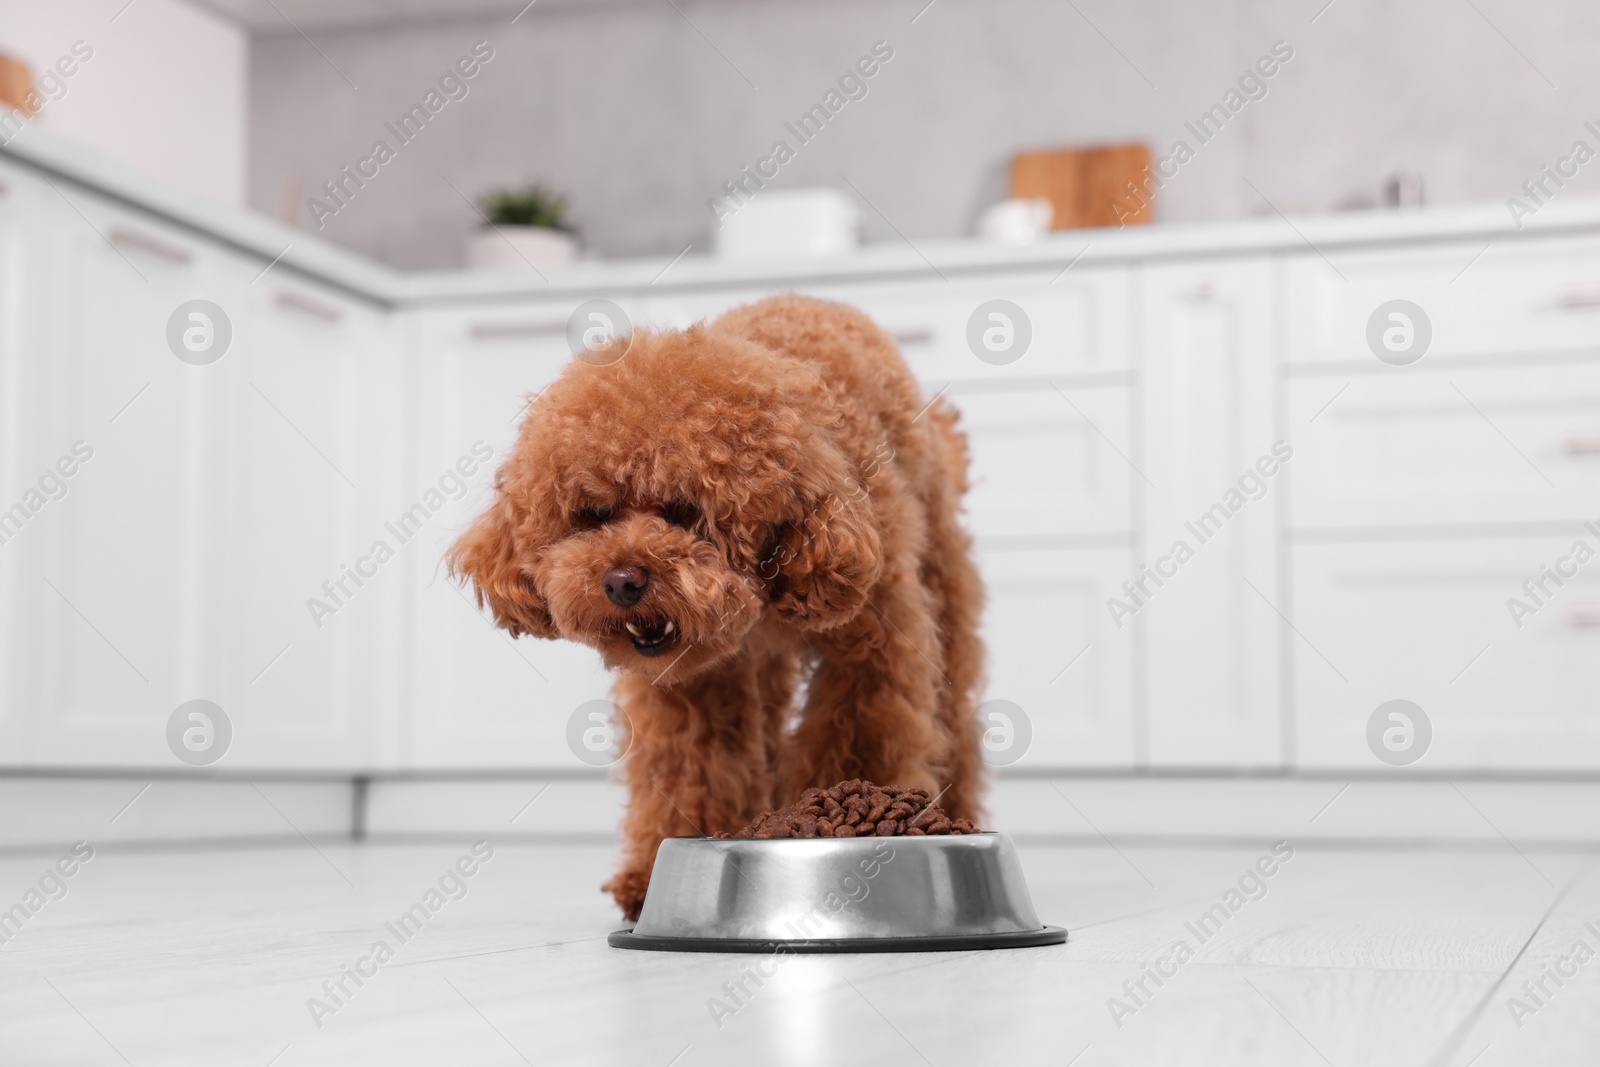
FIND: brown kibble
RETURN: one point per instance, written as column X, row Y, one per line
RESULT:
column 855, row 808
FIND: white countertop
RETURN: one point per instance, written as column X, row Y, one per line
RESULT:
column 322, row 260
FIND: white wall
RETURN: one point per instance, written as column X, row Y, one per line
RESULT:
column 631, row 110
column 163, row 91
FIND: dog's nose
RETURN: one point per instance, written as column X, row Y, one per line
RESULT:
column 625, row 585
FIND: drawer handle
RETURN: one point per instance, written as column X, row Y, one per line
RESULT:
column 307, row 306
column 1584, row 442
column 1579, row 296
column 1584, row 615
column 143, row 242
column 487, row 331
column 913, row 337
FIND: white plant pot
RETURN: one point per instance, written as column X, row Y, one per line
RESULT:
column 519, row 248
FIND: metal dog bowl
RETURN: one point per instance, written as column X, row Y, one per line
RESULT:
column 860, row 894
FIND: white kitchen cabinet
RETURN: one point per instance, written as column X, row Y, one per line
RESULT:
column 1211, row 633
column 1497, row 446
column 1045, row 462
column 177, row 565
column 1538, row 296
column 1163, row 389
column 1076, row 324
column 35, row 311
column 117, row 640
column 304, row 620
column 1428, row 621
column 472, row 695
column 1054, row 652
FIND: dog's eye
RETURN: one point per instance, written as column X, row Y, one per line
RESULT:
column 591, row 517
column 681, row 513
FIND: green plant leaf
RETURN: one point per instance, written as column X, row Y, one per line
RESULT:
column 532, row 205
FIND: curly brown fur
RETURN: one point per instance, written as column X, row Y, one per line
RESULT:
column 792, row 501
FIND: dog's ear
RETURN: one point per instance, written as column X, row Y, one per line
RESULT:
column 487, row 555
column 823, row 566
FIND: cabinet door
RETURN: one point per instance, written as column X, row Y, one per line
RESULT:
column 1076, row 324
column 300, row 603
column 1045, row 464
column 1212, row 627
column 1432, row 622
column 1481, row 446
column 476, row 696
column 1054, row 651
column 37, row 320
column 116, row 642
column 1533, row 295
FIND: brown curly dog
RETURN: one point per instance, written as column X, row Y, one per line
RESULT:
column 732, row 514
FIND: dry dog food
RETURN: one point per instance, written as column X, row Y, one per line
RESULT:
column 856, row 809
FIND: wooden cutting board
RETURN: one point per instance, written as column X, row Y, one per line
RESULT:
column 16, row 84
column 1088, row 186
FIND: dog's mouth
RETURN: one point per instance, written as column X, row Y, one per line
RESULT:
column 651, row 637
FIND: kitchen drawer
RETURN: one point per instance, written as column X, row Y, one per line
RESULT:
column 682, row 310
column 1480, row 446
column 1039, row 467
column 1428, row 622
column 1078, row 325
column 1519, row 298
column 1053, row 652
column 479, row 366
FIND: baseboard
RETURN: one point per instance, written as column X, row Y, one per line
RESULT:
column 48, row 811
column 44, row 811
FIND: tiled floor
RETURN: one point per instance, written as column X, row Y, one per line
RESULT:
column 1350, row 958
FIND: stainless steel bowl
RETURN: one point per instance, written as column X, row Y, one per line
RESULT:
column 863, row 894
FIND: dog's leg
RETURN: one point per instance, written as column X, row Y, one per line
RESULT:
column 958, row 592
column 696, row 764
column 870, row 712
column 779, row 679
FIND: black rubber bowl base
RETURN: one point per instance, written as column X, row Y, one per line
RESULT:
column 1045, row 935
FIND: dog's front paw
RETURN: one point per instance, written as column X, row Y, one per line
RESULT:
column 627, row 888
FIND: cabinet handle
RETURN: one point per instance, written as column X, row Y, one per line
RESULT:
column 488, row 331
column 292, row 301
column 1579, row 296
column 1584, row 442
column 1584, row 615
column 143, row 242
column 915, row 337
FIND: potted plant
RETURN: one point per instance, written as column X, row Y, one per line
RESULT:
column 527, row 228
